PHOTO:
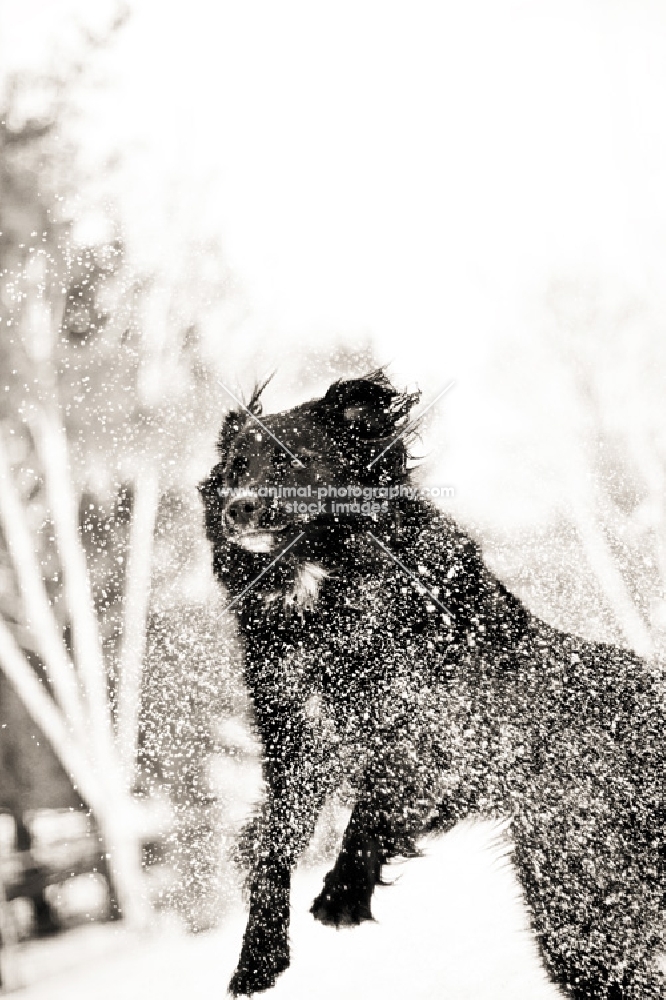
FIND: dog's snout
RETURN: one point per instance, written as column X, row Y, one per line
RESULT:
column 242, row 512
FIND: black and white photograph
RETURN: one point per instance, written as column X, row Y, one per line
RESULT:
column 333, row 499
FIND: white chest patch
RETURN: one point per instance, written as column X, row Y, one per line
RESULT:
column 313, row 707
column 307, row 585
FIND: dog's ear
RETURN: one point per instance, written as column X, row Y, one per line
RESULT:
column 370, row 407
column 234, row 420
column 254, row 403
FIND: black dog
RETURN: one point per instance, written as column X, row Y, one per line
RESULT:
column 381, row 651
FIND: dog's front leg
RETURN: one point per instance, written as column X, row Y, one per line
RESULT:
column 296, row 785
column 345, row 897
column 382, row 825
column 265, row 949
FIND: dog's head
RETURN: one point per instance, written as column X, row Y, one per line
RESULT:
column 267, row 486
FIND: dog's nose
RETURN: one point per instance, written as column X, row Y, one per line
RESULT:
column 241, row 513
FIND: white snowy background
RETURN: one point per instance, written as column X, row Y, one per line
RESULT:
column 464, row 191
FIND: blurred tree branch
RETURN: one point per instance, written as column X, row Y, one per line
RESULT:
column 612, row 350
column 49, row 719
column 39, row 618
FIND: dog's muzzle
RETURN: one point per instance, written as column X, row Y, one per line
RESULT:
column 243, row 513
column 249, row 523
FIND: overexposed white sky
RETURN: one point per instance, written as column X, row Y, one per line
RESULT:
column 413, row 173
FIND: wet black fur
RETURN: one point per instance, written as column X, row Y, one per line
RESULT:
column 432, row 715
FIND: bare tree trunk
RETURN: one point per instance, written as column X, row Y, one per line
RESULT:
column 137, row 595
column 51, row 444
column 117, row 816
column 45, row 633
column 116, row 820
column 46, row 715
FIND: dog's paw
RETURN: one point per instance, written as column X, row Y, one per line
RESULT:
column 256, row 976
column 340, row 905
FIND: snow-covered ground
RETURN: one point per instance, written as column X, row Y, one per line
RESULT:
column 451, row 925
